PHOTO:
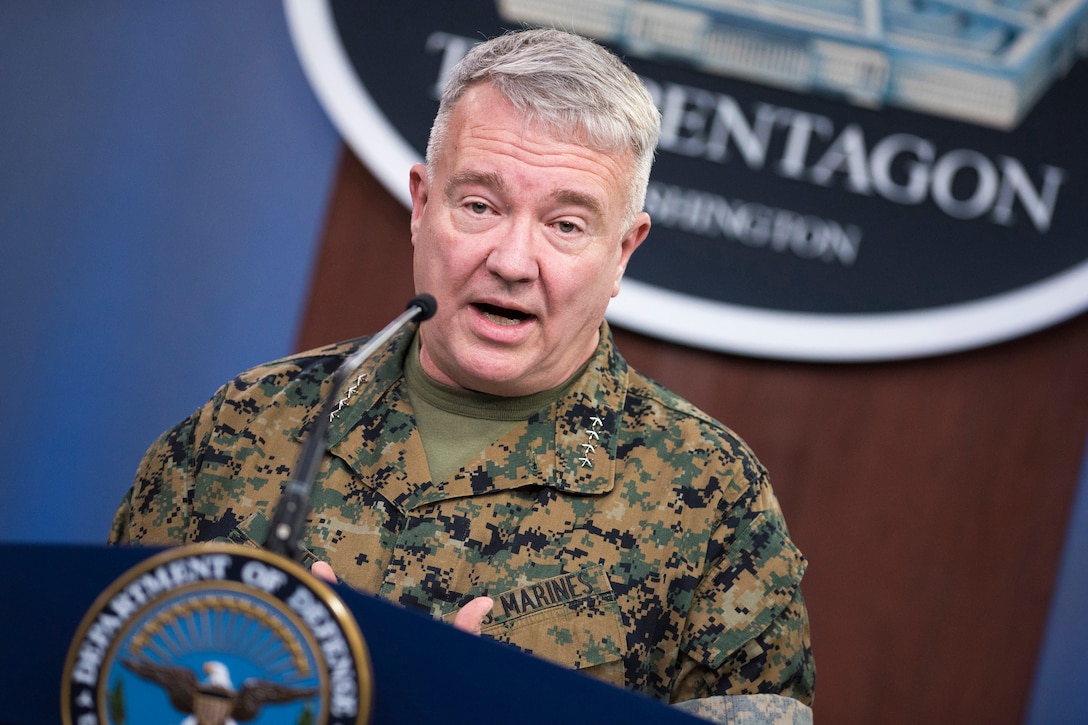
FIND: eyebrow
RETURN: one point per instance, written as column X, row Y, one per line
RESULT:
column 577, row 198
column 494, row 181
column 473, row 178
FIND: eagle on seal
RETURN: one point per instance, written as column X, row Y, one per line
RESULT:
column 214, row 701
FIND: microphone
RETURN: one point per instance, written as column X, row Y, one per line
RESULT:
column 294, row 503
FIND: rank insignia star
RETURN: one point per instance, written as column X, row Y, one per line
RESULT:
column 588, row 448
column 343, row 402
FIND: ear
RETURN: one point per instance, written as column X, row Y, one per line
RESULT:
column 419, row 187
column 640, row 227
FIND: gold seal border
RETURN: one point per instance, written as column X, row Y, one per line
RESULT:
column 320, row 589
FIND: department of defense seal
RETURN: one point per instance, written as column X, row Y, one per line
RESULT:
column 214, row 634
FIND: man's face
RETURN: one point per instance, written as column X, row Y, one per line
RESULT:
column 522, row 239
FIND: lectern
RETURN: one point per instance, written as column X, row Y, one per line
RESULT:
column 422, row 671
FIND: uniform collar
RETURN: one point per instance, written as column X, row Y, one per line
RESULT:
column 572, row 444
column 587, row 421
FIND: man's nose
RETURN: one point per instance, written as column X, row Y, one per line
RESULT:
column 514, row 255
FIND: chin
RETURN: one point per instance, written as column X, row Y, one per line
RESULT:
column 498, row 380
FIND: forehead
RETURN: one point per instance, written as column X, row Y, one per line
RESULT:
column 490, row 143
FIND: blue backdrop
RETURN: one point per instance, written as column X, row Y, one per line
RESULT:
column 164, row 170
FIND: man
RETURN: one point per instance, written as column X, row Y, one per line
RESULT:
column 502, row 467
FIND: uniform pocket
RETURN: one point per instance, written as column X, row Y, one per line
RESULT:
column 572, row 620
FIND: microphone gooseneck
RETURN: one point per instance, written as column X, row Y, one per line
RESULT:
column 294, row 503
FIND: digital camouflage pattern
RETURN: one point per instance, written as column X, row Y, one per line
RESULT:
column 620, row 531
column 749, row 710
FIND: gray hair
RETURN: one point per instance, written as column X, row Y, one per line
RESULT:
column 567, row 83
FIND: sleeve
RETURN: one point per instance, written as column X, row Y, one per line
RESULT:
column 157, row 508
column 747, row 631
column 748, row 710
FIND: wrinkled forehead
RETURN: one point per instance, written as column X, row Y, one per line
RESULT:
column 564, row 124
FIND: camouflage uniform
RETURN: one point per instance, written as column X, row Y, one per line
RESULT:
column 621, row 531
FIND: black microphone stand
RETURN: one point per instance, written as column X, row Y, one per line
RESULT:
column 294, row 503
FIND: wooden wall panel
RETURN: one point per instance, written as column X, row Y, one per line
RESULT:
column 363, row 275
column 930, row 496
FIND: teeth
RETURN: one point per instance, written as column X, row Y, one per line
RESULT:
column 501, row 319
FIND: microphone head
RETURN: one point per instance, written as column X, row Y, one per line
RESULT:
column 426, row 304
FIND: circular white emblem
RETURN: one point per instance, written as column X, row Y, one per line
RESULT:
column 216, row 634
column 817, row 195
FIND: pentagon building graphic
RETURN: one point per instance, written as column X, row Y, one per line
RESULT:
column 981, row 61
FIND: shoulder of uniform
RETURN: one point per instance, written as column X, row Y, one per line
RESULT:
column 294, row 381
column 310, row 365
column 648, row 392
column 652, row 406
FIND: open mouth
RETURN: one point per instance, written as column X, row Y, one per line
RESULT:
column 502, row 315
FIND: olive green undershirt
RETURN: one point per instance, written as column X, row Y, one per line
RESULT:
column 456, row 424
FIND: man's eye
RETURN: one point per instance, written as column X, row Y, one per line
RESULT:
column 566, row 227
column 478, row 207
